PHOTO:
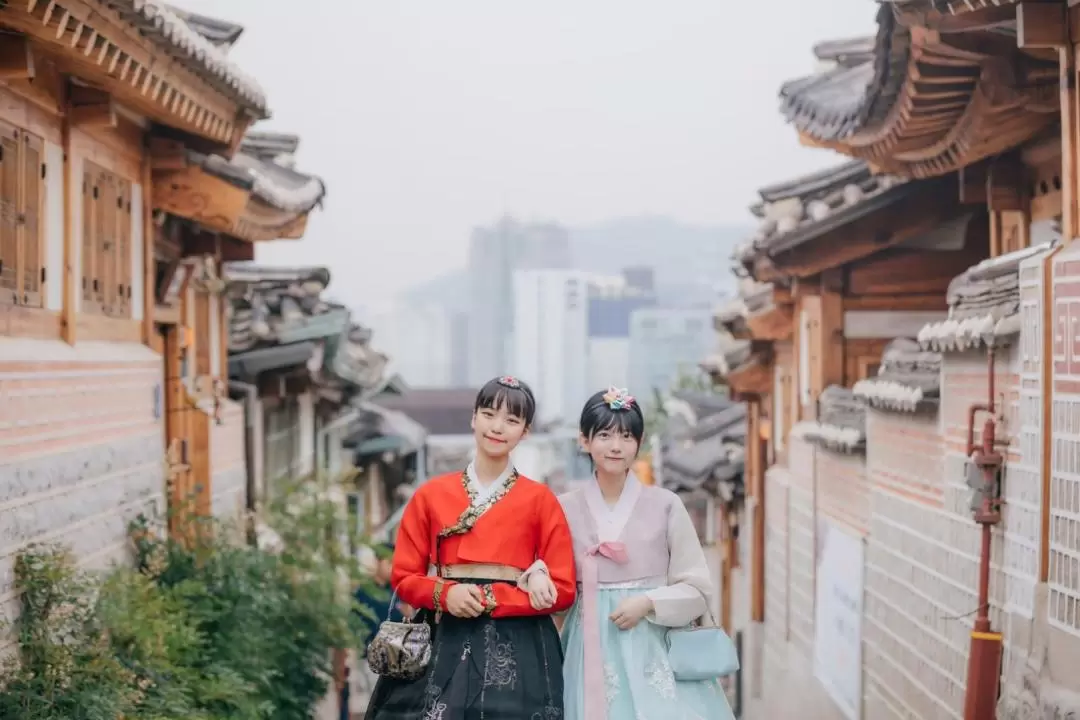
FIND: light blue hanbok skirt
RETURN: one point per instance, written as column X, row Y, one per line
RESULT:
column 637, row 676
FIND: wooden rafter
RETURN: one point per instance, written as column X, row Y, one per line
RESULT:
column 967, row 96
column 91, row 41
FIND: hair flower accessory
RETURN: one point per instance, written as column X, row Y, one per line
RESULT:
column 509, row 381
column 618, row 398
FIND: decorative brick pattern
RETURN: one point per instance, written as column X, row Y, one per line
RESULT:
column 843, row 490
column 1022, row 486
column 82, row 448
column 1064, row 560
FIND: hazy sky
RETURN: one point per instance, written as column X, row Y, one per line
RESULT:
column 427, row 117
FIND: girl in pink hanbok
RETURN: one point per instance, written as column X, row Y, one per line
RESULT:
column 641, row 572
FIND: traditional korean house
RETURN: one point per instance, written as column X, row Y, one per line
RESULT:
column 956, row 499
column 298, row 362
column 112, row 235
column 701, row 457
column 388, row 449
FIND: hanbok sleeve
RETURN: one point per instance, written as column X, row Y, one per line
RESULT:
column 556, row 550
column 412, row 552
column 685, row 598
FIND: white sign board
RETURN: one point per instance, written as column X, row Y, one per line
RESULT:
column 838, row 612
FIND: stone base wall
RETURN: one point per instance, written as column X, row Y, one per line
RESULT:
column 228, row 464
column 81, row 450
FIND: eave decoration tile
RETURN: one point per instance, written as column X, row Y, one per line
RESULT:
column 984, row 305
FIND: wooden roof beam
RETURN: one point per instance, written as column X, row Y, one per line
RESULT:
column 1041, row 25
column 776, row 323
column 1006, row 184
column 196, row 195
column 16, row 58
column 982, row 19
column 921, row 212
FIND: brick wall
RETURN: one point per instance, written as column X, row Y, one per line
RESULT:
column 923, row 549
column 843, row 490
column 227, row 463
column 81, row 449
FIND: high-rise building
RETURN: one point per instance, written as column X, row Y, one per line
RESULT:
column 420, row 343
column 664, row 343
column 551, row 344
column 610, row 306
column 495, row 253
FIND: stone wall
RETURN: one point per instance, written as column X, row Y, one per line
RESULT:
column 81, row 449
column 227, row 464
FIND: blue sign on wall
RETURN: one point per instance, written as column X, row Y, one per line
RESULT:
column 157, row 401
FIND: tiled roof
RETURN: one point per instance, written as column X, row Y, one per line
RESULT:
column 278, row 306
column 841, row 423
column 161, row 23
column 803, row 209
column 859, row 87
column 221, row 33
column 909, row 379
column 984, row 305
column 273, row 305
column 264, row 166
column 708, row 451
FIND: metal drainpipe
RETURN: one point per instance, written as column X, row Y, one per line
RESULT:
column 984, row 660
column 250, row 397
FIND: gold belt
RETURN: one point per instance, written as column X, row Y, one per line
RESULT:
column 481, row 571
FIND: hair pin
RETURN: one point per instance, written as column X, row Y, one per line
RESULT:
column 618, row 398
column 509, row 381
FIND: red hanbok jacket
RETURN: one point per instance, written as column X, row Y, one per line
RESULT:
column 524, row 524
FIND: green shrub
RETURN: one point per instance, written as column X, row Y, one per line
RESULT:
column 208, row 631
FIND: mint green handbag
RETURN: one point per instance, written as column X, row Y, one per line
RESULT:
column 701, row 652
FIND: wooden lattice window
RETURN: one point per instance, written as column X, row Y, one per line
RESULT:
column 22, row 201
column 106, row 244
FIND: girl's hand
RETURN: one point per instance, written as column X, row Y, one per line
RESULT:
column 542, row 591
column 464, row 601
column 631, row 611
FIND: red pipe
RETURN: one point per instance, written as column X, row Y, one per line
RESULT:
column 984, row 661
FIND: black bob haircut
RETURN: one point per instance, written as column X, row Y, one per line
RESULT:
column 510, row 393
column 597, row 416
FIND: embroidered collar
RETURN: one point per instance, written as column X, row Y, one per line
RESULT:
column 611, row 521
column 477, row 506
column 479, row 493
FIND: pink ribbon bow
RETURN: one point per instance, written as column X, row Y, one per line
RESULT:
column 595, row 691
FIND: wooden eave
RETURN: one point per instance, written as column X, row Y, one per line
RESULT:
column 966, row 97
column 753, row 377
column 220, row 206
column 90, row 41
column 962, row 16
column 929, row 206
column 776, row 322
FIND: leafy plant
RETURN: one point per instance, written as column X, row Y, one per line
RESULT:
column 200, row 630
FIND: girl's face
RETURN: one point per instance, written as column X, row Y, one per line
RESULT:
column 497, row 431
column 612, row 450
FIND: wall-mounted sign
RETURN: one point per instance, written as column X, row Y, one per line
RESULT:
column 838, row 616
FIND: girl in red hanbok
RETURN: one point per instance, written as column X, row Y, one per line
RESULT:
column 486, row 554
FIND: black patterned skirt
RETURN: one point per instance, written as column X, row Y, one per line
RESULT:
column 481, row 669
